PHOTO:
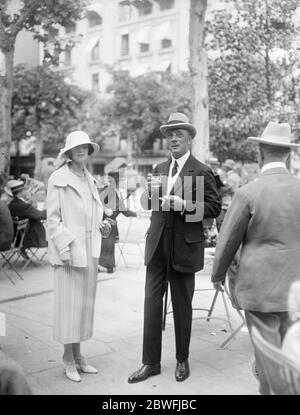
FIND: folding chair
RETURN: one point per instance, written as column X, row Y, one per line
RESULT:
column 225, row 296
column 282, row 373
column 11, row 255
column 128, row 239
column 32, row 253
column 209, row 311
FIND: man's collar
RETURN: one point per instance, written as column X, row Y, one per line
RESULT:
column 181, row 160
column 273, row 165
column 20, row 197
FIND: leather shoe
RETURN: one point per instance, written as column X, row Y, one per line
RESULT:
column 144, row 372
column 182, row 371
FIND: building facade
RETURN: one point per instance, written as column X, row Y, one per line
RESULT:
column 134, row 35
column 138, row 36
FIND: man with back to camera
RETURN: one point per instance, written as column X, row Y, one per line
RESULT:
column 174, row 248
column 263, row 220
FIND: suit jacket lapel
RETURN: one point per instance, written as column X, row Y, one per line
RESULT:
column 164, row 171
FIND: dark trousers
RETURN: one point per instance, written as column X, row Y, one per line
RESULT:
column 182, row 285
column 273, row 327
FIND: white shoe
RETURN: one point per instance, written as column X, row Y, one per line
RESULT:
column 71, row 371
column 254, row 370
column 82, row 364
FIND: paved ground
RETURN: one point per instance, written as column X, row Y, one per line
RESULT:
column 115, row 348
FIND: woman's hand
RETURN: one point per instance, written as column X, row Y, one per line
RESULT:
column 66, row 258
column 105, row 228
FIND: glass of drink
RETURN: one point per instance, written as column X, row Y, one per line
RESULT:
column 156, row 180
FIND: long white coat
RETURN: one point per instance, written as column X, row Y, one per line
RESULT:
column 65, row 218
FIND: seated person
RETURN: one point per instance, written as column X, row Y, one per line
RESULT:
column 6, row 227
column 35, row 235
column 291, row 342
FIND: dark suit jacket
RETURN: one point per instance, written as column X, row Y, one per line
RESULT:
column 187, row 237
column 35, row 235
column 6, row 227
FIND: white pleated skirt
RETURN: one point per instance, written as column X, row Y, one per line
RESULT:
column 74, row 300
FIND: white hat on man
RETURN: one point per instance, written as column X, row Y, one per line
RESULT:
column 276, row 134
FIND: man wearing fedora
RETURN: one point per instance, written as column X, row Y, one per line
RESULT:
column 174, row 248
column 263, row 220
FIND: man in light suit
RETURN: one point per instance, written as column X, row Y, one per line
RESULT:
column 263, row 220
column 175, row 244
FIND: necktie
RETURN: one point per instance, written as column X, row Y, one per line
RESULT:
column 175, row 168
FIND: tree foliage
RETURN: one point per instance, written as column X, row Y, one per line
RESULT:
column 135, row 106
column 44, row 104
column 42, row 19
column 252, row 80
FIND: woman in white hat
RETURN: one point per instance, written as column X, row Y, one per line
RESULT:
column 74, row 226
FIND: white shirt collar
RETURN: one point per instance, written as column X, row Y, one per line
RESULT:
column 181, row 160
column 273, row 165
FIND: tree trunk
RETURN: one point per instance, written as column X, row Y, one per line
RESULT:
column 39, row 147
column 267, row 56
column 6, row 102
column 198, row 72
column 268, row 75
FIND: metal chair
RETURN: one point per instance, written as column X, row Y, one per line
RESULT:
column 282, row 373
column 209, row 253
column 11, row 255
column 32, row 253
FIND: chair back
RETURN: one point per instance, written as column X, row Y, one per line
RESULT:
column 20, row 226
column 282, row 373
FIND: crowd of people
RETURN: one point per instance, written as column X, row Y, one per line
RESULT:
column 257, row 247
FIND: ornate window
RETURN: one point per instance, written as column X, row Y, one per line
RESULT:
column 94, row 19
column 95, row 53
column 166, row 43
column 124, row 11
column 125, row 44
column 166, row 4
column 143, row 38
column 68, row 55
column 144, row 7
column 95, row 81
column 71, row 28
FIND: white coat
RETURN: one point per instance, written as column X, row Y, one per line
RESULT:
column 66, row 219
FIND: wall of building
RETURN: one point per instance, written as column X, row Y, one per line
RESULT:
column 149, row 29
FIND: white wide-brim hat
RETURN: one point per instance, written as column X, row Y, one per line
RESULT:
column 178, row 120
column 77, row 138
column 275, row 134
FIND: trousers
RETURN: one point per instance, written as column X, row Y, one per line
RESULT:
column 159, row 271
column 273, row 327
